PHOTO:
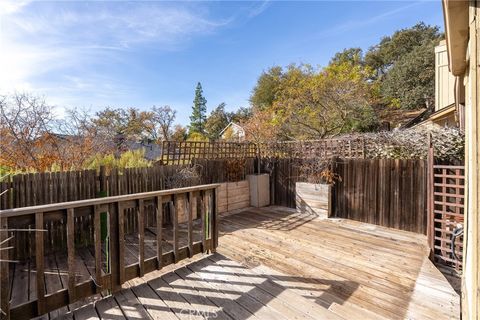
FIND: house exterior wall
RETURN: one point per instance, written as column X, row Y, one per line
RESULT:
column 233, row 132
column 471, row 262
column 444, row 79
column 462, row 30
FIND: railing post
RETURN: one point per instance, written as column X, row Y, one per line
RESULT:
column 203, row 220
column 114, row 251
column 141, row 237
column 159, row 208
column 4, row 281
column 191, row 208
column 71, row 254
column 215, row 220
column 114, row 208
column 121, row 243
column 430, row 196
column 39, row 259
column 174, row 212
column 97, row 240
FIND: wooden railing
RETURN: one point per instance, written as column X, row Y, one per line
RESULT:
column 111, row 270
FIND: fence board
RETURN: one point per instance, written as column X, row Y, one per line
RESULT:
column 30, row 189
column 385, row 192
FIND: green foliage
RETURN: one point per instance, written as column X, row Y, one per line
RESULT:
column 108, row 161
column 217, row 121
column 346, row 96
column 199, row 109
column 314, row 104
column 6, row 171
column 197, row 136
column 352, row 56
column 268, row 84
column 410, row 83
column 393, row 48
column 242, row 114
column 128, row 159
column 404, row 66
column 133, row 159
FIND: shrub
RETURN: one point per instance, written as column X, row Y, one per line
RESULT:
column 128, row 159
column 412, row 144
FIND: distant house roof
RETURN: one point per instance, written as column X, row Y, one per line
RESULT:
column 399, row 118
column 234, row 125
column 442, row 117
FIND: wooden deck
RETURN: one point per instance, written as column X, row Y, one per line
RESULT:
column 274, row 263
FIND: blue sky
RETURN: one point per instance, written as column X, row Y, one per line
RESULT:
column 143, row 53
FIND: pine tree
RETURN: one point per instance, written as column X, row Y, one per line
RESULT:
column 198, row 117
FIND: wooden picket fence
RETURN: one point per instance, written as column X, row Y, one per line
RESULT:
column 32, row 189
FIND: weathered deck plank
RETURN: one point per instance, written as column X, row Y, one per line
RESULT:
column 384, row 265
column 299, row 267
column 219, row 298
column 154, row 305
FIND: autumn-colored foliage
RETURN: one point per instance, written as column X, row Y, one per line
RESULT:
column 33, row 140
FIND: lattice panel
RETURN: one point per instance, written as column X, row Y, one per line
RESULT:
column 174, row 152
column 326, row 148
column 448, row 212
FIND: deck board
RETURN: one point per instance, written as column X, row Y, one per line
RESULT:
column 271, row 263
column 219, row 298
column 155, row 306
column 384, row 264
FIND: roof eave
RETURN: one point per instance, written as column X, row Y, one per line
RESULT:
column 455, row 14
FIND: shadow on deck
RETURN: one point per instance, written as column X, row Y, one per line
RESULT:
column 274, row 263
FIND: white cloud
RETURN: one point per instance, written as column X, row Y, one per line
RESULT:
column 259, row 9
column 56, row 48
column 11, row 6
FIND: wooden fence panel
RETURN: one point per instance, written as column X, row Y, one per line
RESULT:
column 390, row 193
column 385, row 192
column 284, row 174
